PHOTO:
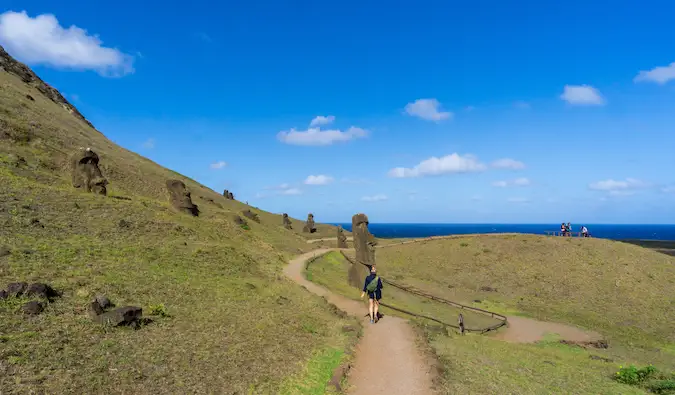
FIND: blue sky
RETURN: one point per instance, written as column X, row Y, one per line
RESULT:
column 408, row 111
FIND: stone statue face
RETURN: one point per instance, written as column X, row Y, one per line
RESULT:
column 364, row 241
column 86, row 173
column 180, row 198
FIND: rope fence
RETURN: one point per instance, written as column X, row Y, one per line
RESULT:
column 502, row 319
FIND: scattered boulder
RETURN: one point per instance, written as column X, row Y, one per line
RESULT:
column 228, row 195
column 341, row 238
column 85, row 173
column 180, row 199
column 251, row 215
column 239, row 221
column 104, row 302
column 488, row 289
column 3, row 294
column 122, row 316
column 41, row 290
column 16, row 289
column 287, row 221
column 29, row 97
column 309, row 225
column 32, row 308
column 124, row 224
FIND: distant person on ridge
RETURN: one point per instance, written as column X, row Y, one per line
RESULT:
column 569, row 229
column 584, row 231
column 563, row 229
column 373, row 286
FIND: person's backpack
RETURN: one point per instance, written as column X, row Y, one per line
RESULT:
column 372, row 285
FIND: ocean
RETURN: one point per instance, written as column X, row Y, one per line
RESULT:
column 616, row 232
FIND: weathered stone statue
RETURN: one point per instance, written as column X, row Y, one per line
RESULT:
column 309, row 225
column 228, row 195
column 287, row 221
column 180, row 199
column 364, row 244
column 251, row 215
column 85, row 173
column 341, row 238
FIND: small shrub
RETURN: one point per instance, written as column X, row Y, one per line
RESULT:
column 633, row 376
column 464, row 244
column 663, row 386
column 159, row 310
column 245, row 227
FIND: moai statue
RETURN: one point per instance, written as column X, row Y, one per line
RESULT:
column 85, row 173
column 309, row 225
column 364, row 244
column 228, row 195
column 341, row 238
column 287, row 222
column 179, row 197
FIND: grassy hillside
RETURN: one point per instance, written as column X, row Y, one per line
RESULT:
column 230, row 322
column 618, row 289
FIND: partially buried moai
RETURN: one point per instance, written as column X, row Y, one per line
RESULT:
column 179, row 197
column 228, row 195
column 287, row 221
column 85, row 173
column 341, row 238
column 309, row 225
column 364, row 245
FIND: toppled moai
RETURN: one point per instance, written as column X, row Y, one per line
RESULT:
column 122, row 316
column 180, row 199
column 85, row 173
column 251, row 215
column 239, row 220
column 341, row 238
column 228, row 195
column 287, row 221
column 309, row 225
column 364, row 244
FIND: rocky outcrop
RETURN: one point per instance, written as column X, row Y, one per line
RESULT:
column 287, row 221
column 251, row 215
column 180, row 199
column 341, row 238
column 309, row 227
column 85, row 173
column 10, row 65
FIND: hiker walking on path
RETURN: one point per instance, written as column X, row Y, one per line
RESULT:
column 373, row 286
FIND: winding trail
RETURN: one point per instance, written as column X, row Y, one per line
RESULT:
column 387, row 360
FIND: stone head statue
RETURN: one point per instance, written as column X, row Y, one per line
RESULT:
column 85, row 173
column 180, row 198
column 287, row 221
column 341, row 238
column 309, row 225
column 364, row 241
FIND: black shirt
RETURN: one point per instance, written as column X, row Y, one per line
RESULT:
column 370, row 278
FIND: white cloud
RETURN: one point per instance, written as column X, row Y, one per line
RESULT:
column 427, row 109
column 321, row 120
column 583, row 95
column 149, row 143
column 318, row 180
column 218, row 165
column 629, row 184
column 316, row 136
column 291, row 191
column 518, row 200
column 659, row 75
column 284, row 189
column 42, row 40
column 453, row 163
column 374, row 198
column 508, row 163
column 668, row 189
column 518, row 182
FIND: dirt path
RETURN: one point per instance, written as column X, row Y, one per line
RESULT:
column 350, row 238
column 528, row 330
column 387, row 360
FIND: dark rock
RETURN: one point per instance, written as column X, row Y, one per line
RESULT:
column 599, row 358
column 349, row 328
column 488, row 289
column 36, row 222
column 41, row 290
column 29, row 97
column 95, row 308
column 4, row 251
column 32, row 308
column 239, row 221
column 104, row 302
column 250, row 286
column 309, row 227
column 85, row 173
column 251, row 215
column 341, row 238
column 477, row 301
column 550, row 363
column 602, row 344
column 121, row 316
column 16, row 289
column 3, row 294
column 124, row 224
column 180, row 199
column 287, row 221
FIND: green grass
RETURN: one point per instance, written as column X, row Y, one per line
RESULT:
column 225, row 318
column 313, row 380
